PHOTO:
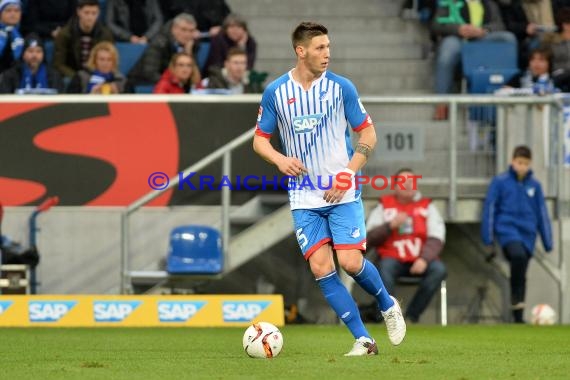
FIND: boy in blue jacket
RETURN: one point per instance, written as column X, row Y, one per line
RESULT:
column 513, row 212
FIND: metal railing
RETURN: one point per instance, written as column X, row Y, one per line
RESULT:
column 454, row 103
column 225, row 154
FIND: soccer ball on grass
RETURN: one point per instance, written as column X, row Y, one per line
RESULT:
column 543, row 314
column 262, row 340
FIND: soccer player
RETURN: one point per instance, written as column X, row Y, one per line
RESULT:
column 313, row 110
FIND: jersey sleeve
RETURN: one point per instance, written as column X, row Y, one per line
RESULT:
column 267, row 115
column 354, row 110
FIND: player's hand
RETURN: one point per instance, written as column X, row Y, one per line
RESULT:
column 291, row 166
column 419, row 266
column 334, row 194
column 398, row 220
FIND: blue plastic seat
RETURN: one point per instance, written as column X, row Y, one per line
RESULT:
column 202, row 54
column 48, row 51
column 487, row 66
column 195, row 249
column 129, row 54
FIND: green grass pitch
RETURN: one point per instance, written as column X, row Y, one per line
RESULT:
column 310, row 352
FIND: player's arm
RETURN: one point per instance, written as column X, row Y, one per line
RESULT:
column 291, row 166
column 365, row 145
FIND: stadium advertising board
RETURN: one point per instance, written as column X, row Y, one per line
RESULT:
column 140, row 311
column 100, row 153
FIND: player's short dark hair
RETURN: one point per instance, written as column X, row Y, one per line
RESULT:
column 522, row 151
column 87, row 3
column 305, row 31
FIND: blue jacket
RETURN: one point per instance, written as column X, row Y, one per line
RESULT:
column 514, row 211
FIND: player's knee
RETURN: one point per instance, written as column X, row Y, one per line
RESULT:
column 321, row 269
column 352, row 264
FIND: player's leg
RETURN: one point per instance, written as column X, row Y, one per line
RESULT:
column 518, row 258
column 314, row 237
column 346, row 222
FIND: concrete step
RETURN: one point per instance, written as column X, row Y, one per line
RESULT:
column 315, row 8
column 353, row 38
column 355, row 66
column 340, row 51
column 368, row 26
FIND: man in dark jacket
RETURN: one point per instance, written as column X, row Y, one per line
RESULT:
column 233, row 77
column 178, row 36
column 135, row 21
column 75, row 40
column 513, row 212
column 32, row 74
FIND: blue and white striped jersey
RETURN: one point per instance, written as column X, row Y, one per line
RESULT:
column 314, row 127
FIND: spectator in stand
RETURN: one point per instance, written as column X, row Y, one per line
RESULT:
column 176, row 79
column 233, row 77
column 454, row 24
column 537, row 76
column 561, row 51
column 74, row 42
column 408, row 233
column 234, row 34
column 135, row 21
column 178, row 36
column 531, row 21
column 32, row 74
column 47, row 17
column 209, row 14
column 101, row 75
column 11, row 41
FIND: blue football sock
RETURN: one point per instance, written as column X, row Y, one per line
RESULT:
column 342, row 303
column 369, row 279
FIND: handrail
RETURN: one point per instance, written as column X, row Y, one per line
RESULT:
column 222, row 152
column 451, row 180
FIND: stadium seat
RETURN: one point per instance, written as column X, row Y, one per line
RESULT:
column 487, row 66
column 415, row 280
column 202, row 54
column 195, row 249
column 129, row 54
column 48, row 51
column 103, row 12
column 144, row 89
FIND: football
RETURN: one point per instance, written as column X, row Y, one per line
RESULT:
column 543, row 314
column 262, row 340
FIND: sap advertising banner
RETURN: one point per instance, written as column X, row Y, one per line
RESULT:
column 140, row 311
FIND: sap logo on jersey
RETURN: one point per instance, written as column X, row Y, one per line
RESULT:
column 113, row 311
column 243, row 311
column 178, row 311
column 304, row 124
column 49, row 311
column 4, row 305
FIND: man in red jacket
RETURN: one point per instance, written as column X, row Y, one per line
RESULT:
column 408, row 234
